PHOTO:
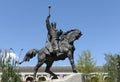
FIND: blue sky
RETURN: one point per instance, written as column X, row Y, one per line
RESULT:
column 22, row 25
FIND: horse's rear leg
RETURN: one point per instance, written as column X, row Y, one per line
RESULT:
column 47, row 70
column 37, row 67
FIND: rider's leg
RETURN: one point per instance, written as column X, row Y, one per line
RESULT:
column 55, row 45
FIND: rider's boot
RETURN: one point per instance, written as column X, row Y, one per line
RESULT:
column 57, row 51
column 58, row 54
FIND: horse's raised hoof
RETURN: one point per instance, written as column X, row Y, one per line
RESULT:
column 54, row 77
column 75, row 71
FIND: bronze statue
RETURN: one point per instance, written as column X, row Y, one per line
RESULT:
column 30, row 54
column 53, row 34
column 48, row 56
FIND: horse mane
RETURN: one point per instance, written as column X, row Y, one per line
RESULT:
column 67, row 35
column 69, row 31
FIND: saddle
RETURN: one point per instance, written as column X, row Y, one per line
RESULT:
column 63, row 47
column 52, row 50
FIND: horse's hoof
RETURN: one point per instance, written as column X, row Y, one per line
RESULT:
column 75, row 71
column 55, row 77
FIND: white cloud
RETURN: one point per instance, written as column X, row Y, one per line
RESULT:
column 11, row 55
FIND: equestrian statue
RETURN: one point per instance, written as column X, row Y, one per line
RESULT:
column 60, row 45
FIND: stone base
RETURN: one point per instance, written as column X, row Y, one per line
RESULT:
column 72, row 77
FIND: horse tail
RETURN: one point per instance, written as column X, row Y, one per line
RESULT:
column 29, row 55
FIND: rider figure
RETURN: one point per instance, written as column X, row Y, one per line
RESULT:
column 53, row 34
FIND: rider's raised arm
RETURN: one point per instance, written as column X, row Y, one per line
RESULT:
column 48, row 23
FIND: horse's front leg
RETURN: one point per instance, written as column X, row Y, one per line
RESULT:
column 41, row 60
column 37, row 67
column 71, row 59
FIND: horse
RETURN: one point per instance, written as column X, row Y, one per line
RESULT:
column 66, row 48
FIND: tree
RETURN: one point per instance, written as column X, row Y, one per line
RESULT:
column 110, row 67
column 9, row 74
column 86, row 63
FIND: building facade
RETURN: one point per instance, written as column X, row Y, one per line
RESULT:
column 27, row 73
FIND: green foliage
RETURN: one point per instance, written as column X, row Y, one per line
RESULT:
column 107, row 79
column 86, row 63
column 42, row 79
column 95, row 79
column 9, row 73
column 110, row 67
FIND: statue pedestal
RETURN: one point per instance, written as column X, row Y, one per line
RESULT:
column 72, row 77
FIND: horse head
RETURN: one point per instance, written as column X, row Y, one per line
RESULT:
column 71, row 35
